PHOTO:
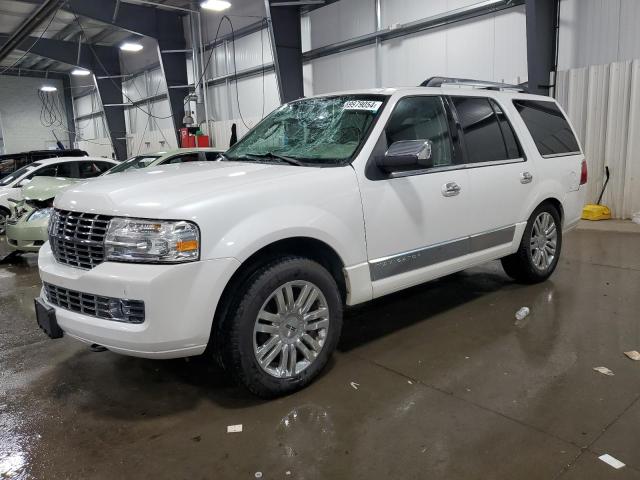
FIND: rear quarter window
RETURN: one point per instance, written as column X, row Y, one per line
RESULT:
column 549, row 128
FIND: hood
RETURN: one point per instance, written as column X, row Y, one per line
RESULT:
column 45, row 188
column 167, row 190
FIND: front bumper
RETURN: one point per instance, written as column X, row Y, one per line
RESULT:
column 26, row 236
column 180, row 302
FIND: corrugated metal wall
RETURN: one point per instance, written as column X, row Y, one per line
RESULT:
column 603, row 102
column 490, row 47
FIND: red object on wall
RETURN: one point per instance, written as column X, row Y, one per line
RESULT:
column 187, row 140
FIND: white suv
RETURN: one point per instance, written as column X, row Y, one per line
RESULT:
column 330, row 201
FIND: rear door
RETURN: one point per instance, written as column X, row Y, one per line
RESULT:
column 558, row 154
column 502, row 179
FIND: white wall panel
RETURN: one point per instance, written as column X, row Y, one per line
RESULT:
column 348, row 70
column 596, row 32
column 616, row 134
column 408, row 61
column 603, row 102
column 340, row 21
column 403, row 11
column 253, row 50
column 510, row 46
column 629, row 47
column 470, row 47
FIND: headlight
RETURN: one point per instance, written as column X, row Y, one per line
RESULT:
column 152, row 241
column 40, row 214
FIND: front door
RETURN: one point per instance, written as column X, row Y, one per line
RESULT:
column 416, row 222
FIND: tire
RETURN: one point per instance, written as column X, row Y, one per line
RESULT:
column 527, row 266
column 263, row 329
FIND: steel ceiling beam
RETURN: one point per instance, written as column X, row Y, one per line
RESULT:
column 48, row 8
column 286, row 43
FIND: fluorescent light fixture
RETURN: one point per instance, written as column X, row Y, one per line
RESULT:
column 80, row 72
column 215, row 5
column 131, row 47
column 48, row 88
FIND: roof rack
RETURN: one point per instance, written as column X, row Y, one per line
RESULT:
column 444, row 81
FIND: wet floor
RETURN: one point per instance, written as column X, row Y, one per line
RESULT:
column 435, row 382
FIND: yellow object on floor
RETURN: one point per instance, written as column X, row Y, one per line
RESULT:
column 596, row 212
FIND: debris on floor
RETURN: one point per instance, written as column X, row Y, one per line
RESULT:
column 614, row 462
column 633, row 355
column 234, row 428
column 522, row 313
column 604, row 371
column 354, row 385
column 258, row 475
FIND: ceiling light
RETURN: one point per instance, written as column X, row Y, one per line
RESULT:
column 131, row 47
column 48, row 88
column 81, row 72
column 215, row 5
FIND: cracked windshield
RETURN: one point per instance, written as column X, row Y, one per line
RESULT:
column 317, row 131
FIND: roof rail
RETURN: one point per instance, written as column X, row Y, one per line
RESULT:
column 444, row 81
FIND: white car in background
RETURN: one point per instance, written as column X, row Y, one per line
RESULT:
column 330, row 201
column 62, row 167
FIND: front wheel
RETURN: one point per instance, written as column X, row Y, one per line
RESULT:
column 539, row 251
column 284, row 327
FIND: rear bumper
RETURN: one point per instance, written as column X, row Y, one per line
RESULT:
column 180, row 302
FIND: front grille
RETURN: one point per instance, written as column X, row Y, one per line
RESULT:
column 77, row 239
column 119, row 310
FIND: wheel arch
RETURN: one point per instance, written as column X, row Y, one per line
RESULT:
column 308, row 247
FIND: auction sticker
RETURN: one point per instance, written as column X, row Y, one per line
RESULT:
column 368, row 105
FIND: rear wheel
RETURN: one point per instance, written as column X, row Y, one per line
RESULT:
column 537, row 256
column 284, row 327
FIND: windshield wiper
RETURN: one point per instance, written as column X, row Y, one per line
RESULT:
column 289, row 160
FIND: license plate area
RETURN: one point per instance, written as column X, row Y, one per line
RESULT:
column 46, row 318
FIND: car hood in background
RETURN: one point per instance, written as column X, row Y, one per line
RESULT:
column 45, row 188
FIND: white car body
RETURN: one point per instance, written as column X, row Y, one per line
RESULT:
column 13, row 189
column 387, row 234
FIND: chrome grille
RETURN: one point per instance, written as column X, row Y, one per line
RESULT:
column 119, row 310
column 77, row 239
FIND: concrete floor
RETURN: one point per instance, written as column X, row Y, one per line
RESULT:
column 448, row 386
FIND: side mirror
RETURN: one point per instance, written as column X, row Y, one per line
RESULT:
column 22, row 183
column 407, row 155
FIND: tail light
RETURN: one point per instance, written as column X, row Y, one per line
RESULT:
column 583, row 173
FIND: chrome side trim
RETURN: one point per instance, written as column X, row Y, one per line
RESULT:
column 424, row 257
column 562, row 154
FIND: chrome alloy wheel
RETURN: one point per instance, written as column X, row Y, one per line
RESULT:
column 544, row 241
column 291, row 329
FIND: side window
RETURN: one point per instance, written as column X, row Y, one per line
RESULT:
column 548, row 127
column 509, row 136
column 92, row 169
column 187, row 157
column 211, row 156
column 482, row 132
column 422, row 118
column 48, row 171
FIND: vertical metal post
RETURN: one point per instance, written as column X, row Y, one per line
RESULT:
column 205, row 88
column 378, row 19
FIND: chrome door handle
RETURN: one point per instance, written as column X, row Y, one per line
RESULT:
column 526, row 177
column 451, row 189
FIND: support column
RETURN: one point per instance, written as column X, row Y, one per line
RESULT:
column 68, row 106
column 174, row 65
column 541, row 43
column 286, row 41
column 110, row 91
